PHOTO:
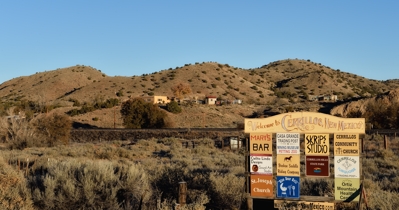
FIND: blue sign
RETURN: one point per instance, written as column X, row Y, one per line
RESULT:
column 288, row 187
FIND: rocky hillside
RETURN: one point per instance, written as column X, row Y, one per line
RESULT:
column 272, row 87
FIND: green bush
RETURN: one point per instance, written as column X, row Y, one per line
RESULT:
column 173, row 107
column 136, row 113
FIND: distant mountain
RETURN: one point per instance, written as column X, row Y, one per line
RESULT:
column 281, row 83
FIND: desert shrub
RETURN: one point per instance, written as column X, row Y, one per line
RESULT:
column 227, row 190
column 54, row 128
column 173, row 107
column 18, row 133
column 73, row 184
column 137, row 113
column 75, row 102
column 13, row 191
column 181, row 89
column 317, row 187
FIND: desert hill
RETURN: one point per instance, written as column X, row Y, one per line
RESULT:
column 273, row 87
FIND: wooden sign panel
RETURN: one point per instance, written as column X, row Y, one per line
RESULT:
column 261, row 185
column 288, row 165
column 346, row 144
column 304, row 122
column 260, row 143
column 261, row 164
column 346, row 167
column 288, row 187
column 317, row 144
column 347, row 189
column 318, row 166
column 286, row 204
column 287, row 143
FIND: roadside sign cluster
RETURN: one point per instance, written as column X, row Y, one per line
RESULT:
column 317, row 158
column 346, row 166
column 283, row 181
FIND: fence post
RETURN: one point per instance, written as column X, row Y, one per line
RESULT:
column 249, row 202
column 182, row 193
column 385, row 142
column 27, row 166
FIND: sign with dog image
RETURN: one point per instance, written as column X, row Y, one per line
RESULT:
column 288, row 165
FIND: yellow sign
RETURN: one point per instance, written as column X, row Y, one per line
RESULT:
column 260, row 143
column 262, row 185
column 317, row 144
column 346, row 144
column 304, row 122
column 347, row 189
column 288, row 165
column 303, row 205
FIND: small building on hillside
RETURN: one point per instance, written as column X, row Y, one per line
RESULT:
column 211, row 100
column 328, row 97
column 156, row 99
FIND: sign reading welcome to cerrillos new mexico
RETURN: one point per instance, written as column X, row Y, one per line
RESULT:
column 305, row 122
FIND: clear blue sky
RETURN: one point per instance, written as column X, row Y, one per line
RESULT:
column 127, row 37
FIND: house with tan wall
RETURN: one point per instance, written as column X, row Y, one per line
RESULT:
column 156, row 99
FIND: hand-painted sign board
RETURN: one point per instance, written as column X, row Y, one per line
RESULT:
column 318, row 166
column 347, row 189
column 261, row 164
column 304, row 122
column 346, row 144
column 286, row 204
column 317, row 144
column 346, row 167
column 261, row 185
column 260, row 143
column 287, row 143
column 288, row 186
column 288, row 165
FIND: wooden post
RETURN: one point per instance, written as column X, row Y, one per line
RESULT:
column 362, row 145
column 27, row 166
column 385, row 142
column 182, row 193
column 19, row 165
column 249, row 203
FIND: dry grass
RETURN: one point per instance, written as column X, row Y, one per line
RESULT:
column 118, row 175
column 85, row 176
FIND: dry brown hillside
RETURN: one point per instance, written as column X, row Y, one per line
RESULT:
column 275, row 86
column 387, row 98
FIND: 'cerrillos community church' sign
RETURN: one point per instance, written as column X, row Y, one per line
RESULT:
column 305, row 122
